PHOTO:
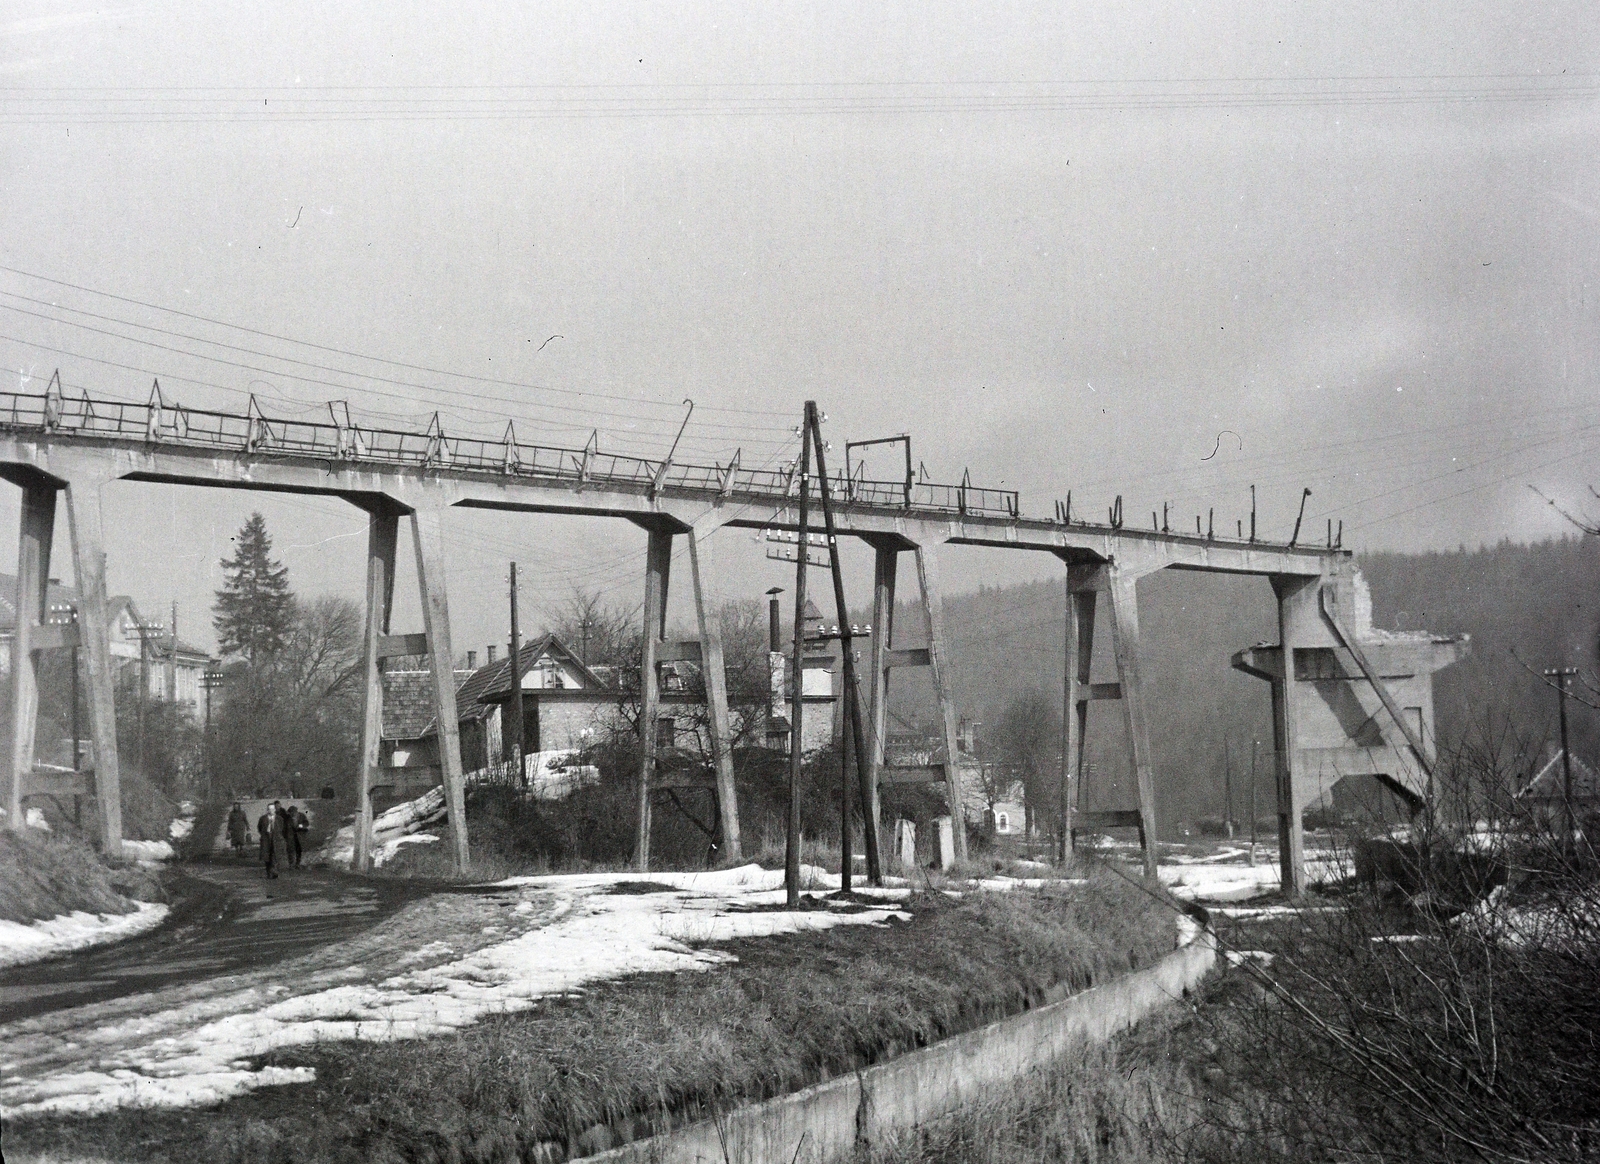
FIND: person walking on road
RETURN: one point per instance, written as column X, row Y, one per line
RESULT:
column 293, row 826
column 268, row 828
column 238, row 829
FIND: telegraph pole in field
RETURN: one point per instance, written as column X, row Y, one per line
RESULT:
column 791, row 847
column 516, row 685
column 172, row 657
column 1563, row 676
column 1227, row 788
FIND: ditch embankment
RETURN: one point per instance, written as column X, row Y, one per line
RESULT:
column 575, row 1071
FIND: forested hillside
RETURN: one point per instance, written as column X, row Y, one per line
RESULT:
column 1522, row 604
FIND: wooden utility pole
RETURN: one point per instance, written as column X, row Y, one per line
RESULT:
column 852, row 705
column 791, row 846
column 1563, row 676
column 172, row 657
column 1227, row 789
column 513, row 750
column 1254, row 748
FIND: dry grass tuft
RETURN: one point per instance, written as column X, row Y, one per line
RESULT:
column 44, row 875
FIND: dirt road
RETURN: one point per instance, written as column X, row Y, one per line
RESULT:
column 226, row 918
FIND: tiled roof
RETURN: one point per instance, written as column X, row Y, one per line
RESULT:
column 408, row 695
column 492, row 681
column 407, row 704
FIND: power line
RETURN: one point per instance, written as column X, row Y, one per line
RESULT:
column 625, row 438
column 379, row 359
column 289, row 359
column 524, row 102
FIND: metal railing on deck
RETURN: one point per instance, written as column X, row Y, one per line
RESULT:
column 253, row 434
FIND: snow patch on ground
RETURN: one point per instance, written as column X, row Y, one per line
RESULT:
column 1212, row 880
column 384, row 853
column 21, row 943
column 182, row 1055
column 147, row 850
column 1572, row 925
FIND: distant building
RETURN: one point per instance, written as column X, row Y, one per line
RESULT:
column 821, row 684
column 191, row 662
column 1545, row 796
column 567, row 707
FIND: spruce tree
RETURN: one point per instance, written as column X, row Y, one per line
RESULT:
column 254, row 608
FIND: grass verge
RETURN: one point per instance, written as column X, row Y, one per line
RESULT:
column 44, row 875
column 637, row 1055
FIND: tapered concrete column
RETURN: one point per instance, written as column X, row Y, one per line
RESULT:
column 427, row 529
column 658, row 565
column 885, row 561
column 33, row 573
column 383, row 532
column 702, row 564
column 86, row 522
column 1122, row 587
column 1298, row 619
column 1078, row 654
column 933, row 617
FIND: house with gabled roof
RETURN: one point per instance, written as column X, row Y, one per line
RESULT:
column 190, row 662
column 1545, row 796
column 567, row 706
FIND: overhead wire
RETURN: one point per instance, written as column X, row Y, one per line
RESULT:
column 673, row 406
column 639, row 440
column 306, row 104
column 338, row 387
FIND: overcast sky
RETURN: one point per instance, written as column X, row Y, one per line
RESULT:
column 1159, row 250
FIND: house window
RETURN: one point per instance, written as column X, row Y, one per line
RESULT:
column 666, row 732
column 1002, row 822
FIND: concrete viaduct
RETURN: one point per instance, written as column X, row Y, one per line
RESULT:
column 52, row 446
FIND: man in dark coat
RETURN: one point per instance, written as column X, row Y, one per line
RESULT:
column 268, row 828
column 238, row 829
column 292, row 831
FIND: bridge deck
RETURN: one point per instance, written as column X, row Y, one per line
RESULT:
column 377, row 469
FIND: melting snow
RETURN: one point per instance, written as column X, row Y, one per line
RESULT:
column 190, row 1054
column 1213, row 881
column 73, row 931
column 147, row 850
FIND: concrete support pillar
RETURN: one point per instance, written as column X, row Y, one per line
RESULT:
column 1297, row 621
column 658, row 565
column 383, row 533
column 905, row 844
column 886, row 559
column 933, row 616
column 947, row 841
column 1122, row 588
column 94, row 629
column 33, row 575
column 427, row 531
column 1079, row 651
column 702, row 565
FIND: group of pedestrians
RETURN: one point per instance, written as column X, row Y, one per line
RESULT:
column 280, row 833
